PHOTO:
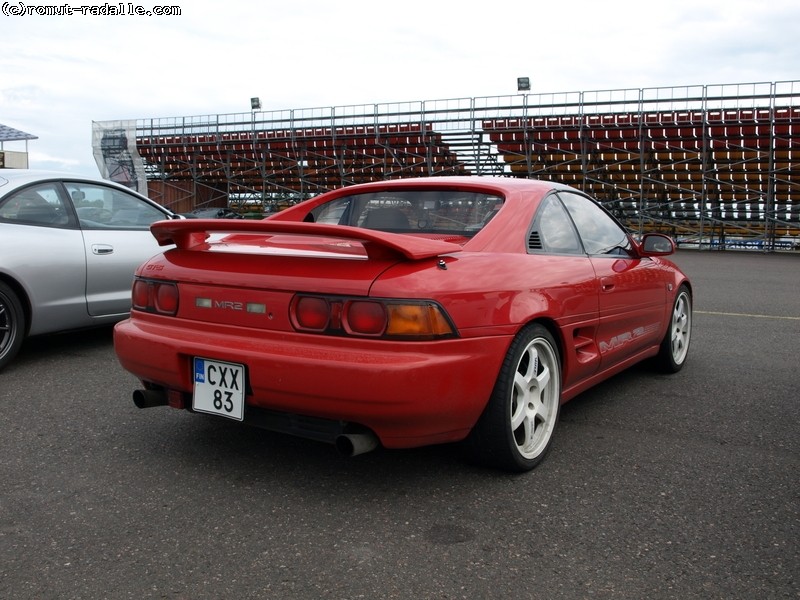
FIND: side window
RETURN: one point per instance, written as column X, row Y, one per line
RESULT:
column 36, row 205
column 553, row 231
column 599, row 233
column 330, row 213
column 101, row 207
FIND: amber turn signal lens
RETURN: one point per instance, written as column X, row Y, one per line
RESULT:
column 417, row 320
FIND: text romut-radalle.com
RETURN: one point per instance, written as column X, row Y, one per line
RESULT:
column 107, row 9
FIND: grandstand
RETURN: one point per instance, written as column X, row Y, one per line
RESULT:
column 713, row 165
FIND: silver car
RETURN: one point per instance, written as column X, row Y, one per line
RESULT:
column 68, row 248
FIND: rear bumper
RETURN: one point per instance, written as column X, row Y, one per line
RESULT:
column 408, row 393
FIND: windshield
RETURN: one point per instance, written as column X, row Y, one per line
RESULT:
column 430, row 213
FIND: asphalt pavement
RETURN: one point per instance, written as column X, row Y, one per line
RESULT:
column 657, row 486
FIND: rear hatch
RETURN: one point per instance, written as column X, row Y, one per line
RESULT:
column 247, row 272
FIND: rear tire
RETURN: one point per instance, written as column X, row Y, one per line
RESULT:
column 675, row 345
column 12, row 324
column 516, row 428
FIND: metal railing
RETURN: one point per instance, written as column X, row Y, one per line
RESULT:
column 714, row 165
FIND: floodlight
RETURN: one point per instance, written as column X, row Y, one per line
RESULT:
column 523, row 84
column 255, row 104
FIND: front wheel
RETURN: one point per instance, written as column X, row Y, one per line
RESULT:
column 516, row 428
column 675, row 345
column 12, row 325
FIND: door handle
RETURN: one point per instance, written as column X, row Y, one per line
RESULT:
column 606, row 284
column 101, row 249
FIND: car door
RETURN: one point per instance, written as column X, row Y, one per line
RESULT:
column 117, row 239
column 41, row 247
column 554, row 235
column 632, row 290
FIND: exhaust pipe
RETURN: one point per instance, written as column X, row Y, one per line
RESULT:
column 149, row 398
column 351, row 444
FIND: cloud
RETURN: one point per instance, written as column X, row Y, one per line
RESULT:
column 62, row 73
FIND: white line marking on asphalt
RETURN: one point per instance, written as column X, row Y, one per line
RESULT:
column 728, row 314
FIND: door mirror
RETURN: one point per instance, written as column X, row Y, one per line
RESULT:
column 656, row 244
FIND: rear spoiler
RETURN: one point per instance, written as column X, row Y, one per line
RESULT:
column 186, row 233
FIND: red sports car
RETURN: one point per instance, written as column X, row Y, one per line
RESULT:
column 405, row 313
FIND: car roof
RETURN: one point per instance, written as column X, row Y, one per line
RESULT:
column 16, row 178
column 513, row 189
column 520, row 196
column 499, row 183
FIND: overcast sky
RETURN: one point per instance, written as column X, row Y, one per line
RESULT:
column 60, row 73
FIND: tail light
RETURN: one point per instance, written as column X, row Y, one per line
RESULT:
column 312, row 314
column 377, row 318
column 365, row 318
column 155, row 296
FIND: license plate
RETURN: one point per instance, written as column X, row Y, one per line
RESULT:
column 218, row 388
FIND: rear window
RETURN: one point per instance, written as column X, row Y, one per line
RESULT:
column 430, row 213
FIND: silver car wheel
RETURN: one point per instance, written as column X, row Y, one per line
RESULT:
column 675, row 345
column 516, row 427
column 681, row 327
column 535, row 398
